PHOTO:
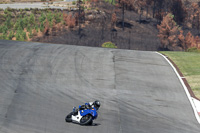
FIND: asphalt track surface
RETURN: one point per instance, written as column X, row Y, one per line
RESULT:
column 139, row 91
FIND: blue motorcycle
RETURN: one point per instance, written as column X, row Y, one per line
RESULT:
column 82, row 116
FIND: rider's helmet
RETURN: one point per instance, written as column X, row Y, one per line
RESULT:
column 97, row 104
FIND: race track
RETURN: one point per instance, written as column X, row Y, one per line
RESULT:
column 139, row 91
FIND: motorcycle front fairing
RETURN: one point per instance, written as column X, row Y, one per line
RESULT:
column 92, row 111
column 77, row 117
column 85, row 112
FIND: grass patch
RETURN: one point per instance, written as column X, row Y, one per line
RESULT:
column 108, row 45
column 189, row 65
column 111, row 1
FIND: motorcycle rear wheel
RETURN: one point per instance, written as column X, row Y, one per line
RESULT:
column 86, row 120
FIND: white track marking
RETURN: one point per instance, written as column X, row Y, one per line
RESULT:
column 185, row 88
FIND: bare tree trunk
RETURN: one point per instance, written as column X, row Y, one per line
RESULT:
column 79, row 14
column 129, row 40
column 198, row 23
column 154, row 8
column 102, row 30
column 123, row 16
column 147, row 11
column 141, row 12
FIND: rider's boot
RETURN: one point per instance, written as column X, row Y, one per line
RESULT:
column 75, row 111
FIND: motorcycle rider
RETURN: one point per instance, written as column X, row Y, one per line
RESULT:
column 88, row 105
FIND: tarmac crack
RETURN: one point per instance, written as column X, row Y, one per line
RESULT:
column 115, row 87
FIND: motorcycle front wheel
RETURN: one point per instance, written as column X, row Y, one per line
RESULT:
column 68, row 118
column 86, row 120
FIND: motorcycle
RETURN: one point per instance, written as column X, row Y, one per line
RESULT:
column 82, row 117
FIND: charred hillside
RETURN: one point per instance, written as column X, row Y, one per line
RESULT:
column 132, row 24
column 129, row 24
column 139, row 32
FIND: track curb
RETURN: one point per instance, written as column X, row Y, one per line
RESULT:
column 194, row 101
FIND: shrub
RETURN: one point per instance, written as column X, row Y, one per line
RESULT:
column 21, row 11
column 189, row 40
column 19, row 25
column 41, row 27
column 32, row 19
column 49, row 17
column 17, row 35
column 25, row 21
column 30, row 34
column 46, row 27
column 168, row 32
column 193, row 49
column 34, row 32
column 70, row 21
column 24, row 35
column 3, row 36
column 11, row 35
column 36, row 28
column 58, row 17
column 42, row 18
column 29, row 30
column 34, row 10
column 108, row 45
column 8, row 22
column 28, row 27
column 10, row 9
column 65, row 17
column 20, row 35
column 27, row 9
column 2, row 18
column 6, row 11
column 3, row 29
column 39, row 12
column 73, row 2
